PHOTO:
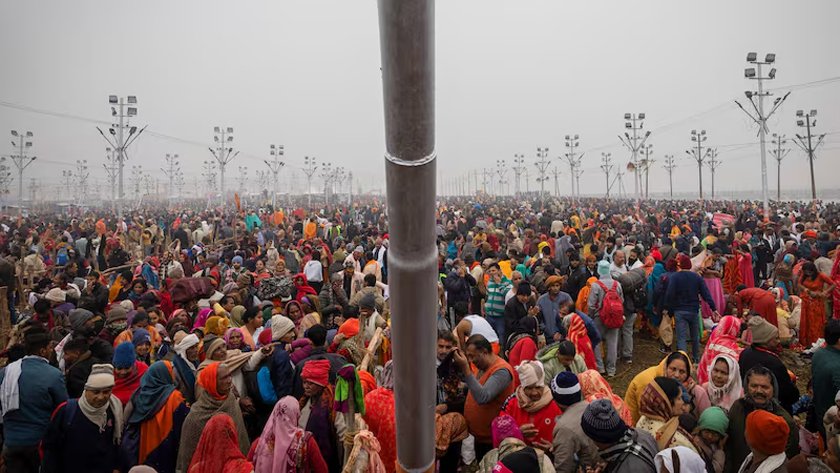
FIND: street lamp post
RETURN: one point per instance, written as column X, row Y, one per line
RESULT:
column 572, row 143
column 82, row 175
column 760, row 118
column 606, row 165
column 275, row 165
column 223, row 137
column 634, row 123
column 713, row 162
column 123, row 108
column 808, row 121
column 518, row 168
column 22, row 141
column 309, row 168
column 779, row 154
column 501, row 170
column 171, row 171
column 669, row 166
column 648, row 149
column 698, row 155
column 542, row 166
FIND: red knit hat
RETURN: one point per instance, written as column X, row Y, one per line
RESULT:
column 316, row 371
column 684, row 261
column 265, row 337
column 766, row 432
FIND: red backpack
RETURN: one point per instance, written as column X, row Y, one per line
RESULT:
column 612, row 309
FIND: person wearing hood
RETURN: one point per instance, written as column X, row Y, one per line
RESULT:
column 116, row 322
column 723, row 386
column 84, row 433
column 303, row 287
column 532, row 406
column 660, row 408
column 595, row 304
column 763, row 352
column 127, row 372
column 760, row 390
column 676, row 366
column 282, row 371
column 677, row 460
column 185, row 362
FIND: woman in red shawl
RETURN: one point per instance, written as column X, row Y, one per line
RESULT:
column 127, row 372
column 381, row 417
column 722, row 341
column 303, row 287
column 218, row 449
column 744, row 266
column 578, row 335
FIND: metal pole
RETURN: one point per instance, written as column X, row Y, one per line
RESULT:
column 121, row 159
column 700, row 164
column 761, row 135
column 21, row 165
column 407, row 45
column 810, row 156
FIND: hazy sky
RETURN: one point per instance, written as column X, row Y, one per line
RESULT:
column 511, row 76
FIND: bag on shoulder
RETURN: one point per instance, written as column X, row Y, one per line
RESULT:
column 612, row 308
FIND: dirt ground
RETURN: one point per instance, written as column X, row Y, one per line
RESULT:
column 646, row 353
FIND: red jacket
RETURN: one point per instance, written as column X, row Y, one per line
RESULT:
column 543, row 419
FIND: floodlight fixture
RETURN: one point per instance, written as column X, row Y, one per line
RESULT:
column 230, row 129
column 216, row 139
column 216, row 129
column 641, row 116
column 627, row 116
column 748, row 93
column 272, row 146
column 800, row 113
column 749, row 72
column 14, row 133
column 132, row 99
column 132, row 111
column 113, row 99
column 812, row 113
column 113, row 132
column 772, row 73
column 770, row 58
column 800, row 123
column 751, row 57
column 132, row 130
column 693, row 132
column 29, row 133
column 567, row 137
column 628, row 125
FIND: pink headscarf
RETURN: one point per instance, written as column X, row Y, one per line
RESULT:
column 228, row 332
column 281, row 433
column 723, row 341
column 203, row 315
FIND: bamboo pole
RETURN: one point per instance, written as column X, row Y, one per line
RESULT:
column 406, row 33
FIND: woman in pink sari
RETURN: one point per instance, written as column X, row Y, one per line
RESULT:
column 722, row 341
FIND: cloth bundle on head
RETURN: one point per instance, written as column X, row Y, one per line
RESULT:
column 683, row 261
column 565, row 388
column 678, row 460
column 317, row 372
column 280, row 326
column 603, row 268
column 504, row 426
column 55, row 295
column 216, row 325
column 715, row 419
column 762, row 330
column 601, row 422
column 344, row 377
column 531, row 373
column 185, row 343
column 124, row 355
column 766, row 432
column 101, row 377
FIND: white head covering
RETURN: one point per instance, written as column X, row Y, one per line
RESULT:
column 689, row 461
column 531, row 373
column 281, row 325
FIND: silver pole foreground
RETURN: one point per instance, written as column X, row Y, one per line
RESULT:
column 406, row 32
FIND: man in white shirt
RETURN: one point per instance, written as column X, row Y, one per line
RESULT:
column 618, row 266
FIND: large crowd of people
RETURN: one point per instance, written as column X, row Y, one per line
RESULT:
column 258, row 340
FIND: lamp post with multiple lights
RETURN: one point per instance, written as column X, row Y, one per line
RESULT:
column 542, row 166
column 572, row 143
column 669, row 166
column 606, row 165
column 808, row 121
column 123, row 108
column 760, row 118
column 275, row 165
column 779, row 154
column 223, row 137
column 22, row 142
column 698, row 154
column 309, row 168
column 501, row 170
column 518, row 169
column 173, row 167
column 634, row 123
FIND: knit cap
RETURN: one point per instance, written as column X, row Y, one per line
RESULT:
column 124, row 355
column 531, row 373
column 368, row 301
column 55, row 295
column 101, row 377
column 601, row 422
column 762, row 330
column 603, row 268
column 683, row 261
column 715, row 419
column 280, row 326
column 766, row 433
column 127, row 305
column 565, row 388
column 522, row 461
column 116, row 314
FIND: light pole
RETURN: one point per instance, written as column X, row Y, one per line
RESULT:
column 275, row 165
column 713, row 162
column 223, row 136
column 808, row 121
column 779, row 154
column 578, row 173
column 648, row 149
column 82, row 175
column 634, row 123
column 501, row 170
column 698, row 155
column 542, row 166
column 754, row 73
column 22, row 142
column 243, row 179
column 136, row 178
column 112, row 170
column 209, row 175
column 572, row 143
column 67, row 175
column 518, row 168
column 179, row 183
column 122, row 108
column 555, row 171
column 669, row 166
column 309, row 168
column 326, row 175
column 5, row 179
column 606, row 165
column 173, row 167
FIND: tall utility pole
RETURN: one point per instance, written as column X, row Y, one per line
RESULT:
column 645, row 164
column 263, row 178
column 223, row 153
column 760, row 118
column 22, row 142
column 111, row 170
column 578, row 173
column 5, row 179
column 350, row 188
column 713, row 162
column 634, row 124
column 136, row 179
column 173, row 167
column 67, row 176
column 326, row 176
column 572, row 144
column 779, row 154
column 179, row 183
column 518, row 168
column 555, row 171
column 275, row 165
column 82, row 175
column 309, row 168
column 501, row 170
column 698, row 154
column 209, row 175
column 487, row 176
column 243, row 179
column 123, row 109
column 606, row 165
column 542, row 166
column 669, row 166
column 808, row 121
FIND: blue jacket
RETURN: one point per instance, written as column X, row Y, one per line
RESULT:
column 683, row 290
column 282, row 373
column 42, row 389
